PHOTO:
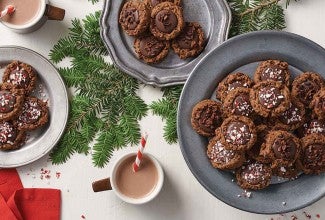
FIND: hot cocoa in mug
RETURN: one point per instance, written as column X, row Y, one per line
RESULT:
column 134, row 187
column 29, row 15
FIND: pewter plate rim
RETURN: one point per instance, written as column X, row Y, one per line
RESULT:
column 229, row 56
column 58, row 101
column 149, row 74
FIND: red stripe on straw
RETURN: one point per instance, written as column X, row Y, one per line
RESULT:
column 138, row 158
column 8, row 10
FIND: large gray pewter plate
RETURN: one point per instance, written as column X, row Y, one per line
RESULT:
column 213, row 15
column 50, row 86
column 243, row 53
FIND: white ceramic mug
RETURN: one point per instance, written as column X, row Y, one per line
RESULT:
column 110, row 183
column 46, row 12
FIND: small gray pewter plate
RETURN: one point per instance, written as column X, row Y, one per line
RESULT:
column 50, row 87
column 214, row 17
column 243, row 53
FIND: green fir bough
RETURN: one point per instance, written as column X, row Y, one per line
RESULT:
column 105, row 109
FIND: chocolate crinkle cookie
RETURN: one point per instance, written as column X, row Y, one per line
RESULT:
column 270, row 98
column 305, row 86
column 134, row 17
column 153, row 3
column 281, row 147
column 312, row 156
column 20, row 75
column 238, row 133
column 150, row 49
column 237, row 102
column 190, row 42
column 318, row 104
column 34, row 114
column 11, row 101
column 293, row 117
column 10, row 137
column 231, row 82
column 272, row 70
column 254, row 175
column 166, row 21
column 222, row 158
column 206, row 117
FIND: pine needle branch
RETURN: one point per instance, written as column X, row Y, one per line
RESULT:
column 105, row 108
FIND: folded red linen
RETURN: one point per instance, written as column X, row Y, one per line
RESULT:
column 18, row 203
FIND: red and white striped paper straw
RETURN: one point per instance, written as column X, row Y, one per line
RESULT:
column 8, row 10
column 138, row 159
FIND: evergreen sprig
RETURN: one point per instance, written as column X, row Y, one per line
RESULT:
column 167, row 109
column 105, row 109
column 253, row 15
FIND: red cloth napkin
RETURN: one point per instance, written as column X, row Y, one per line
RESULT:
column 17, row 203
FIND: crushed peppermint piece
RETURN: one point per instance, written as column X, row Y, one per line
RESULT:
column 219, row 154
column 238, row 133
column 294, row 217
column 270, row 97
column 291, row 115
column 8, row 133
column 308, row 216
column 31, row 112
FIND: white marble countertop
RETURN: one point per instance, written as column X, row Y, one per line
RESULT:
column 182, row 197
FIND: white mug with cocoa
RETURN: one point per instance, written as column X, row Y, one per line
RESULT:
column 133, row 187
column 29, row 15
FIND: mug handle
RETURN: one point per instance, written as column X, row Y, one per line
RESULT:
column 102, row 185
column 54, row 13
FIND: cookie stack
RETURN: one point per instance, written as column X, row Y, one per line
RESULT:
column 19, row 111
column 265, row 126
column 159, row 25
